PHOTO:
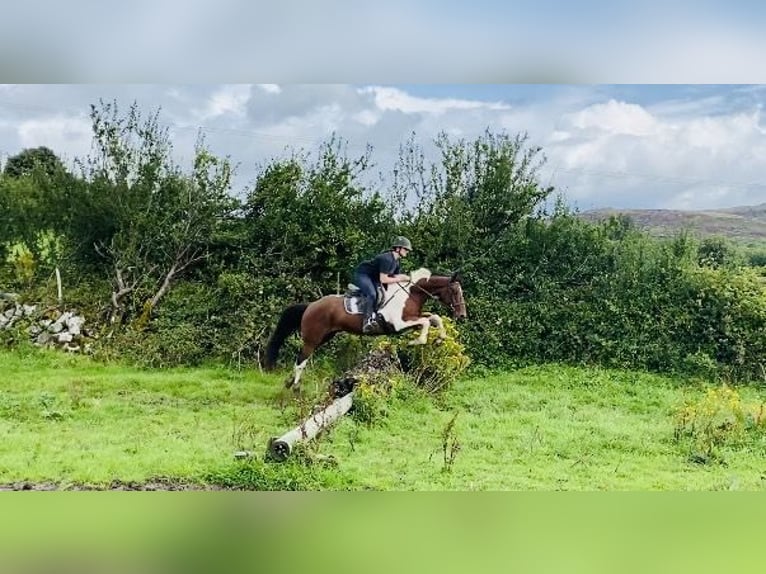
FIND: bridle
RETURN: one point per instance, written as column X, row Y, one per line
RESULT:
column 451, row 304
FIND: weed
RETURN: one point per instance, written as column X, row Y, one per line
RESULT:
column 450, row 444
column 719, row 419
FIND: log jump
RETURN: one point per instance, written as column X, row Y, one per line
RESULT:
column 376, row 367
column 280, row 448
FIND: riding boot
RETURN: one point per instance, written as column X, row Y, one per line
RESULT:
column 369, row 324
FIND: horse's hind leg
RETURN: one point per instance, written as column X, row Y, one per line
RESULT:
column 303, row 357
column 300, row 365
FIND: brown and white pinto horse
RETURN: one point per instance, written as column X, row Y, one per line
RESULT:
column 322, row 319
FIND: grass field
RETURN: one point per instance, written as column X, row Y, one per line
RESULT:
column 67, row 422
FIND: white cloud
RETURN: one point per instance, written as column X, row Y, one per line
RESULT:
column 227, row 100
column 399, row 100
column 70, row 137
column 622, row 155
column 616, row 118
column 367, row 117
column 689, row 147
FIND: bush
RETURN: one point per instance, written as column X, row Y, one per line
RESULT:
column 433, row 367
column 719, row 419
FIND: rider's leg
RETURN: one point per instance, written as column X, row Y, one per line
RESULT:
column 370, row 295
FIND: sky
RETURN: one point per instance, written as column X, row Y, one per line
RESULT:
column 623, row 146
column 635, row 104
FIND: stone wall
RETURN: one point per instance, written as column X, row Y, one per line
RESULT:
column 47, row 327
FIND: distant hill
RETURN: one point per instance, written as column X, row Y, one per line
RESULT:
column 743, row 224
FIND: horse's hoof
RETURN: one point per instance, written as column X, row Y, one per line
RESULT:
column 417, row 342
column 439, row 341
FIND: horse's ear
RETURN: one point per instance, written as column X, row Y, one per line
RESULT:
column 456, row 277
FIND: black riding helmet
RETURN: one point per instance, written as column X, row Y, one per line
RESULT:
column 401, row 241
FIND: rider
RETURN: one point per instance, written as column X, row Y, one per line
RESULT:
column 383, row 269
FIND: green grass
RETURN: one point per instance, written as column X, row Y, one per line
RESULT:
column 68, row 421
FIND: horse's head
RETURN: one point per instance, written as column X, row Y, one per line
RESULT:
column 456, row 301
column 447, row 290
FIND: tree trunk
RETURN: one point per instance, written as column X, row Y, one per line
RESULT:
column 165, row 287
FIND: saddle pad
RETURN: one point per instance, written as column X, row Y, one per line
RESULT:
column 352, row 304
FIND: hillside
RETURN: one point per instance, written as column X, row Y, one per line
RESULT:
column 744, row 223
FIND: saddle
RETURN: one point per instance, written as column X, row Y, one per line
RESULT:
column 352, row 299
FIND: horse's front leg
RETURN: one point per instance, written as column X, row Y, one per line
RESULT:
column 436, row 321
column 424, row 322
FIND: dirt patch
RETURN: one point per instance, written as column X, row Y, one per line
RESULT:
column 150, row 485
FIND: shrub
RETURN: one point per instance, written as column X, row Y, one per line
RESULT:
column 370, row 401
column 719, row 419
column 432, row 366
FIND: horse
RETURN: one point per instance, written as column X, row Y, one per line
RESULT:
column 400, row 309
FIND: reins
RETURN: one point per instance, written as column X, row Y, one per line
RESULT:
column 423, row 289
column 399, row 286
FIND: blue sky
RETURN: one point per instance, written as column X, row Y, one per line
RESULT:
column 623, row 146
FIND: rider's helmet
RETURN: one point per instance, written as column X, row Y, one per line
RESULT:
column 401, row 241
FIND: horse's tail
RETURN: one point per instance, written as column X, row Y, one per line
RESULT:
column 289, row 322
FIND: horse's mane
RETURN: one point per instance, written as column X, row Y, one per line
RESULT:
column 419, row 274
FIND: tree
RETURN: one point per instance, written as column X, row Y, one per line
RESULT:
column 471, row 200
column 718, row 252
column 163, row 219
column 33, row 207
column 314, row 219
column 29, row 159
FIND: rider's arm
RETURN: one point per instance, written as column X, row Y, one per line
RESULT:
column 385, row 278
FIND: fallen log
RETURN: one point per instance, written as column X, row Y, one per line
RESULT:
column 280, row 448
column 375, row 368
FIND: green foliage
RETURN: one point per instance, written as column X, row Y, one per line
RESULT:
column 20, row 202
column 729, row 319
column 433, row 366
column 450, row 444
column 580, row 293
column 720, row 419
column 756, row 257
column 315, row 219
column 472, row 200
column 162, row 220
column 38, row 202
column 719, row 252
column 371, row 401
column 253, row 474
column 195, row 276
column 169, row 347
column 701, row 365
column 22, row 263
column 29, row 160
column 28, row 265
